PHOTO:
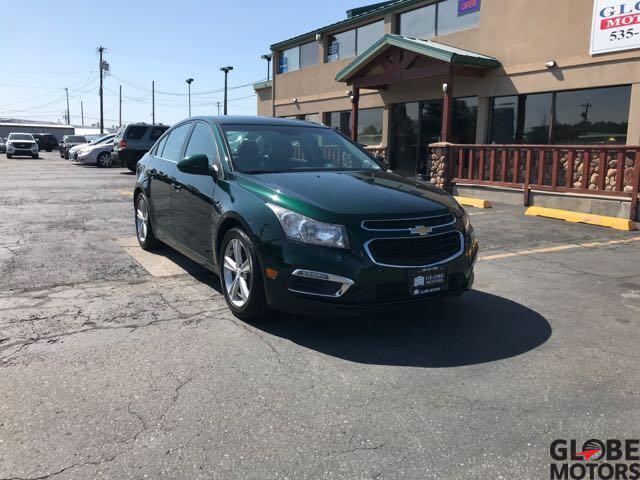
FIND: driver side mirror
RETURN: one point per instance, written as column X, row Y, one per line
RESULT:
column 196, row 165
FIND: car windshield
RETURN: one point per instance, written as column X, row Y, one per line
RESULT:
column 76, row 139
column 20, row 136
column 102, row 140
column 276, row 148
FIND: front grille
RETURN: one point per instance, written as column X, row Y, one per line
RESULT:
column 409, row 223
column 314, row 286
column 22, row 146
column 416, row 252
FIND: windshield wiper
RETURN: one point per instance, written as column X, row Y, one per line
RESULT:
column 258, row 172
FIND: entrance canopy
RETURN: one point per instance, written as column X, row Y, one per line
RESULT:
column 395, row 58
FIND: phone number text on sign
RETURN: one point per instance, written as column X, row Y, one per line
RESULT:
column 616, row 26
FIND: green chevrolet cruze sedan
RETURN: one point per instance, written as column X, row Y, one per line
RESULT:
column 294, row 216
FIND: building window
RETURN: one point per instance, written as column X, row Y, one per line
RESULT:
column 419, row 23
column 454, row 16
column 595, row 117
column 581, row 117
column 368, row 35
column 370, row 126
column 309, row 53
column 464, row 120
column 342, row 45
column 340, row 121
column 290, row 60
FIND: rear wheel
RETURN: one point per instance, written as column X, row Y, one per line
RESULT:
column 131, row 165
column 144, row 230
column 241, row 277
column 104, row 160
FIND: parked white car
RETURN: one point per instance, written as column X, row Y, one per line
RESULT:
column 21, row 144
column 98, row 154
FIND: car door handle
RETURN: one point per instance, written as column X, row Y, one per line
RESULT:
column 176, row 188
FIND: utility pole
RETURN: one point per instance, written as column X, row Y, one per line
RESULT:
column 82, row 112
column 100, row 50
column 226, row 71
column 218, row 104
column 153, row 101
column 189, row 82
column 120, row 109
column 68, row 114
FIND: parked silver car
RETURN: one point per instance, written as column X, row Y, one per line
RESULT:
column 75, row 151
column 98, row 154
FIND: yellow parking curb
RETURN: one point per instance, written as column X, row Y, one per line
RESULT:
column 578, row 217
column 473, row 202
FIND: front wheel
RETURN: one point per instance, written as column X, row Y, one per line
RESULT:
column 144, row 230
column 9, row 156
column 35, row 156
column 241, row 277
column 104, row 160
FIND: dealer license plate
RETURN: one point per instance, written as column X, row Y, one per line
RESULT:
column 423, row 281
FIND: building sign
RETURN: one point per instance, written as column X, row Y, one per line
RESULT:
column 465, row 7
column 616, row 26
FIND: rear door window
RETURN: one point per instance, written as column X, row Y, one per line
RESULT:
column 158, row 151
column 136, row 133
column 175, row 141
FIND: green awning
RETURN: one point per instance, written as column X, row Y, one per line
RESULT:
column 428, row 48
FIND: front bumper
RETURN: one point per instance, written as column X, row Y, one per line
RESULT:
column 22, row 152
column 89, row 157
column 373, row 287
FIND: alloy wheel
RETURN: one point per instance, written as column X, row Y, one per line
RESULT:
column 237, row 273
column 105, row 160
column 142, row 220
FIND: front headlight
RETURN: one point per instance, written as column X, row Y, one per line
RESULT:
column 307, row 230
column 34, row 147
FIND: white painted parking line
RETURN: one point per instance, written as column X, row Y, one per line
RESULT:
column 156, row 264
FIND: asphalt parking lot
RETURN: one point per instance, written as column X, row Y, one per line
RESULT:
column 109, row 369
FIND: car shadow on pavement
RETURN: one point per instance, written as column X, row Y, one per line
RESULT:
column 474, row 328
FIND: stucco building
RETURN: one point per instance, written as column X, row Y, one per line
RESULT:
column 403, row 74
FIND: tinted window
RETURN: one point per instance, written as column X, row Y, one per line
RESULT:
column 309, row 54
column 290, row 60
column 175, row 141
column 135, row 133
column 76, row 139
column 503, row 120
column 420, row 23
column 202, row 142
column 449, row 20
column 160, row 147
column 535, row 118
column 369, row 34
column 271, row 148
column 341, row 121
column 464, row 120
column 596, row 116
column 342, row 45
column 370, row 126
column 156, row 133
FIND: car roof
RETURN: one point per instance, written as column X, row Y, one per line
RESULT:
column 255, row 120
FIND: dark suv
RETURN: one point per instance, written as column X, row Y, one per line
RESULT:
column 134, row 140
column 69, row 141
column 46, row 141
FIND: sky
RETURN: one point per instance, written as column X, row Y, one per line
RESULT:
column 47, row 45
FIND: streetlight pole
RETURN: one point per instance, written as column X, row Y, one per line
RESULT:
column 268, row 58
column 226, row 71
column 68, row 114
column 189, row 81
column 100, row 51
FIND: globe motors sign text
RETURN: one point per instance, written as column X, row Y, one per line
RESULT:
column 616, row 26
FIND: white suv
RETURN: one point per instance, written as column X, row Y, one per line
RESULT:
column 21, row 144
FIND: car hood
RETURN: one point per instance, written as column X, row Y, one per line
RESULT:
column 350, row 195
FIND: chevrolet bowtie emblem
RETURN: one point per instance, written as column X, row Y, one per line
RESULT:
column 420, row 230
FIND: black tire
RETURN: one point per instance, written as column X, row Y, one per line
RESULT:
column 131, row 165
column 9, row 156
column 35, row 156
column 256, row 306
column 147, row 241
column 48, row 149
column 104, row 160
